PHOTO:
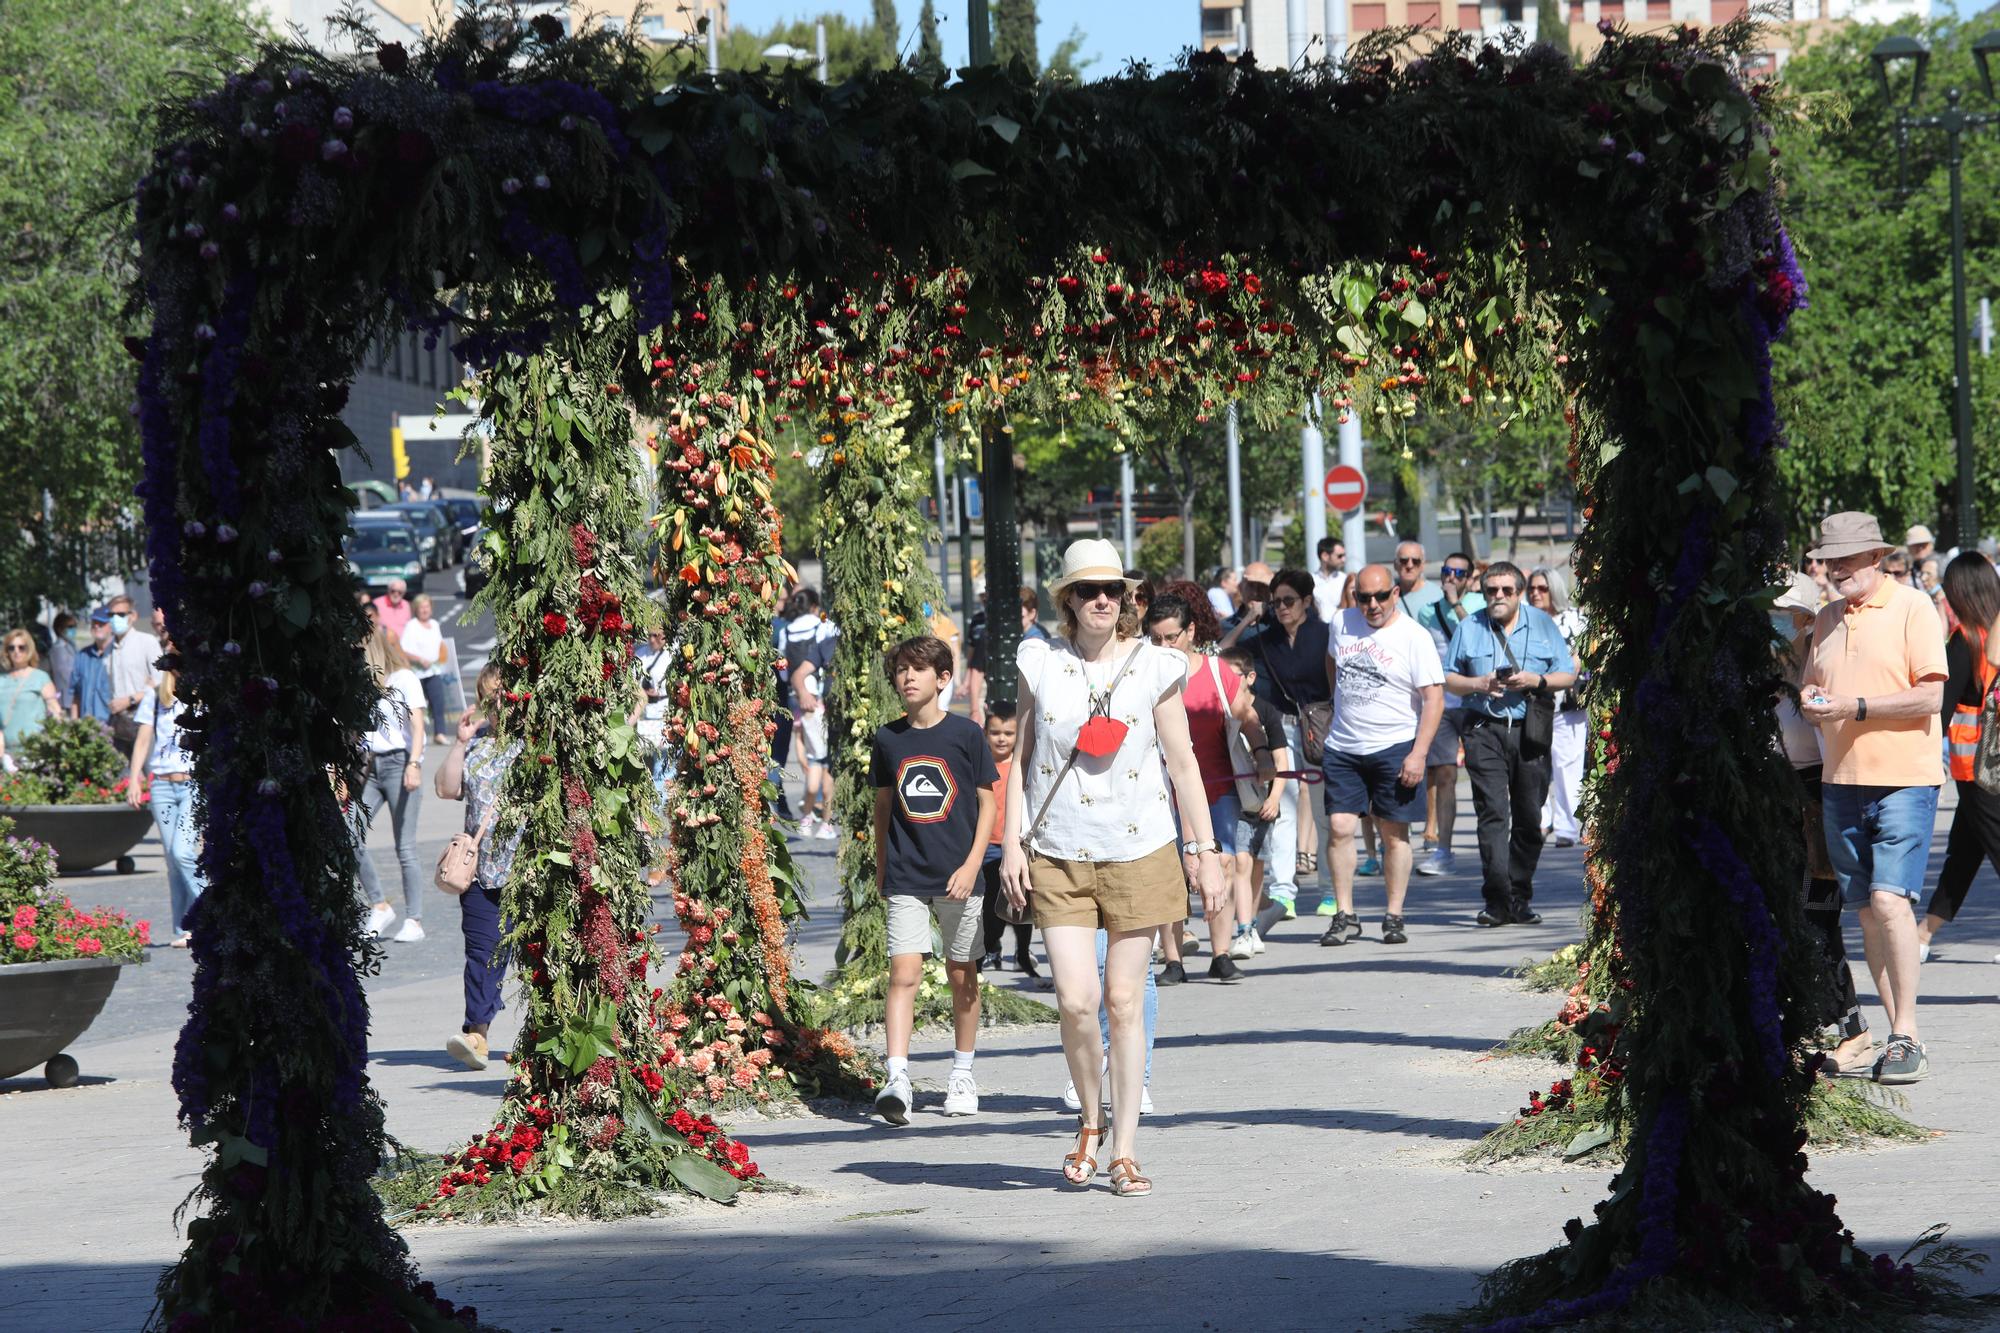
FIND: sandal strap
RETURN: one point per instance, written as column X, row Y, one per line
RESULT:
column 1130, row 1175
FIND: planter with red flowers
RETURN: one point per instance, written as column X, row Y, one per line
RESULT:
column 58, row 962
column 70, row 796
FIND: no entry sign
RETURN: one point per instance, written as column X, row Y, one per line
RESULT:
column 1346, row 488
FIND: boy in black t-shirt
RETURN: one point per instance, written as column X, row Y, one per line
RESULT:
column 934, row 811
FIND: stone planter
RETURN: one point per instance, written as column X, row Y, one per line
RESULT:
column 84, row 836
column 46, row 1006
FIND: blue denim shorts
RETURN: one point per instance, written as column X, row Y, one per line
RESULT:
column 1878, row 838
column 1224, row 813
column 1364, row 784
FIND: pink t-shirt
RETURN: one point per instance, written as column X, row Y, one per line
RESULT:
column 393, row 616
column 1208, row 729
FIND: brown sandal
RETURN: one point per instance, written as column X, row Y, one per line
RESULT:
column 1306, row 863
column 1126, row 1182
column 1082, row 1158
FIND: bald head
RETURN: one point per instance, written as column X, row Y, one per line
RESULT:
column 1375, row 595
column 1258, row 572
column 1374, row 578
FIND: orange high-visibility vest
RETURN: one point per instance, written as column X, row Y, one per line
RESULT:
column 1962, row 737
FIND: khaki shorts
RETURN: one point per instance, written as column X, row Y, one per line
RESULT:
column 1111, row 895
column 959, row 922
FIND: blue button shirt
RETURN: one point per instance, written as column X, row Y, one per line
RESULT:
column 90, row 684
column 1475, row 651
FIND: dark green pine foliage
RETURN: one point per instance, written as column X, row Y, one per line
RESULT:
column 1552, row 23
column 1014, row 34
column 929, row 59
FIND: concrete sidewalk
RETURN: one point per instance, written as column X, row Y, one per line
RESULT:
column 1301, row 1148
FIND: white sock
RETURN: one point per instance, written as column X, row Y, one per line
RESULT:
column 961, row 1062
column 898, row 1064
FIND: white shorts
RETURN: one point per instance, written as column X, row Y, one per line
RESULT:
column 960, row 921
column 812, row 733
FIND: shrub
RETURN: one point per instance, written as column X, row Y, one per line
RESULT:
column 70, row 761
column 39, row 925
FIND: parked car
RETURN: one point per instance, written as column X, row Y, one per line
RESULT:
column 464, row 511
column 432, row 520
column 379, row 552
column 475, row 575
column 373, row 494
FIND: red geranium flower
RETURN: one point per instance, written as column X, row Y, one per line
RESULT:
column 555, row 624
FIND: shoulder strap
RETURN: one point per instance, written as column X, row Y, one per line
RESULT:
column 1505, row 646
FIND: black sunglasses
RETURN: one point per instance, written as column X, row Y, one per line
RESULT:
column 1455, row 572
column 1538, row 587
column 1367, row 598
column 1287, row 601
column 1496, row 590
column 1409, row 562
column 1090, row 592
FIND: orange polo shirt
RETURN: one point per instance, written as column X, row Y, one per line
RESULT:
column 1883, row 644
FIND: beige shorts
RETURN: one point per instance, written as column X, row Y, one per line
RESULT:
column 958, row 922
column 1111, row 895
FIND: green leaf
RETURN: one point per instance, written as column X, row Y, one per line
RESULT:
column 649, row 1124
column 1415, row 315
column 1589, row 170
column 965, row 169
column 558, row 857
column 1722, row 482
column 1590, row 1136
column 1008, row 130
column 704, row 1177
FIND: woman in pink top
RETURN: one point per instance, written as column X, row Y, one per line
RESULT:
column 1173, row 621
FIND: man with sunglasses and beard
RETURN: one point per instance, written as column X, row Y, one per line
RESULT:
column 1498, row 657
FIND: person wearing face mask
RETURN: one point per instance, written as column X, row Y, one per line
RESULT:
column 1837, row 1006
column 133, row 653
column 90, row 681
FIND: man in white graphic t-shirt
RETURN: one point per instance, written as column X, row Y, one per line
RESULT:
column 1388, row 694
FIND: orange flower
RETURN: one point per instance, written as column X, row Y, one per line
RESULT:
column 690, row 574
column 742, row 455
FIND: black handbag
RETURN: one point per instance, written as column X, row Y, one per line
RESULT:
column 1538, row 728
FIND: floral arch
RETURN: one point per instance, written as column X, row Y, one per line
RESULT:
column 706, row 261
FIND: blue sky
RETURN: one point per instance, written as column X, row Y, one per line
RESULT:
column 1114, row 30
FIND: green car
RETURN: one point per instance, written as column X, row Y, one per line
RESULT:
column 379, row 552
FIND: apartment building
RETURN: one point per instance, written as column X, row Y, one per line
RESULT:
column 404, row 20
column 1259, row 25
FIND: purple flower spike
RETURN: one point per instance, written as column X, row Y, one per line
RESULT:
column 295, row 76
column 210, row 250
column 204, row 332
column 258, row 589
column 541, row 182
column 512, row 185
column 269, row 788
column 1607, row 144
column 231, row 213
column 232, row 649
column 275, row 556
column 194, row 527
column 1636, row 158
column 225, row 533
column 331, row 149
column 1606, row 26
column 343, row 118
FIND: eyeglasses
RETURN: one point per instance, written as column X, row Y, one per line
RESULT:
column 1409, row 562
column 1288, row 601
column 1370, row 598
column 19, row 647
column 1538, row 587
column 1501, row 590
column 1162, row 638
column 1455, row 572
column 1090, row 592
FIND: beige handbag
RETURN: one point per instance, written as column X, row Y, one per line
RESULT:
column 458, row 863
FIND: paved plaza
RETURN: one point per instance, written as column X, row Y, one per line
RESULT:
column 1302, row 1145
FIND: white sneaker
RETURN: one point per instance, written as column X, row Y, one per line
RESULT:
column 1074, row 1102
column 1432, row 862
column 828, row 831
column 412, row 931
column 1923, row 953
column 1256, row 941
column 809, row 826
column 1069, row 1097
column 379, row 917
column 1244, row 945
column 961, row 1095
column 895, row 1099
column 1145, row 1101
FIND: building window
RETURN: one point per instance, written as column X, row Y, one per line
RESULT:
column 1468, row 17
column 1425, row 14
column 1370, row 17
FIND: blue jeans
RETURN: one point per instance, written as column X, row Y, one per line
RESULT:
column 485, row 960
column 385, row 787
column 1151, row 1005
column 173, row 815
column 1878, row 838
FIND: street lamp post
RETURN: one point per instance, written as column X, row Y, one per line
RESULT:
column 1955, row 122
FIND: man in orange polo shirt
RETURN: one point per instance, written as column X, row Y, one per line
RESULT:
column 1873, row 686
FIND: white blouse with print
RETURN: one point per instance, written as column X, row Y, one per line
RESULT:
column 1113, row 808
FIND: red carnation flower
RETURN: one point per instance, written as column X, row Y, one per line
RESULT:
column 555, row 624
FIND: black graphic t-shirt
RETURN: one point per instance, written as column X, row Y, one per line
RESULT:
column 933, row 775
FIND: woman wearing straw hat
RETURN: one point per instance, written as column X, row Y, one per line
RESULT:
column 1090, row 831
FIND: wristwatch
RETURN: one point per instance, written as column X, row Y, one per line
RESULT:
column 1197, row 846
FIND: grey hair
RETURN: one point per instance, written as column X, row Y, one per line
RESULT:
column 1558, row 586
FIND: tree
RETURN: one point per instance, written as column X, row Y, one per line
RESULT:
column 1517, row 461
column 1014, row 25
column 929, row 59
column 1552, row 23
column 1864, row 378
column 75, row 130
column 888, row 31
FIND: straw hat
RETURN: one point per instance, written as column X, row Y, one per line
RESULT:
column 1091, row 560
column 1848, row 534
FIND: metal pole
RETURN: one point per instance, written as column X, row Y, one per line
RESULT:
column 1336, row 31
column 1232, row 432
column 714, row 51
column 968, row 597
column 979, row 51
column 1003, row 565
column 1297, row 37
column 1354, row 531
column 1985, row 326
column 1125, row 487
column 819, row 45
column 1312, row 466
column 943, row 492
column 1968, row 520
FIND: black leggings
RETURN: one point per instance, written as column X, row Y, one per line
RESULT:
column 1838, row 1005
column 996, row 929
column 1975, row 836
